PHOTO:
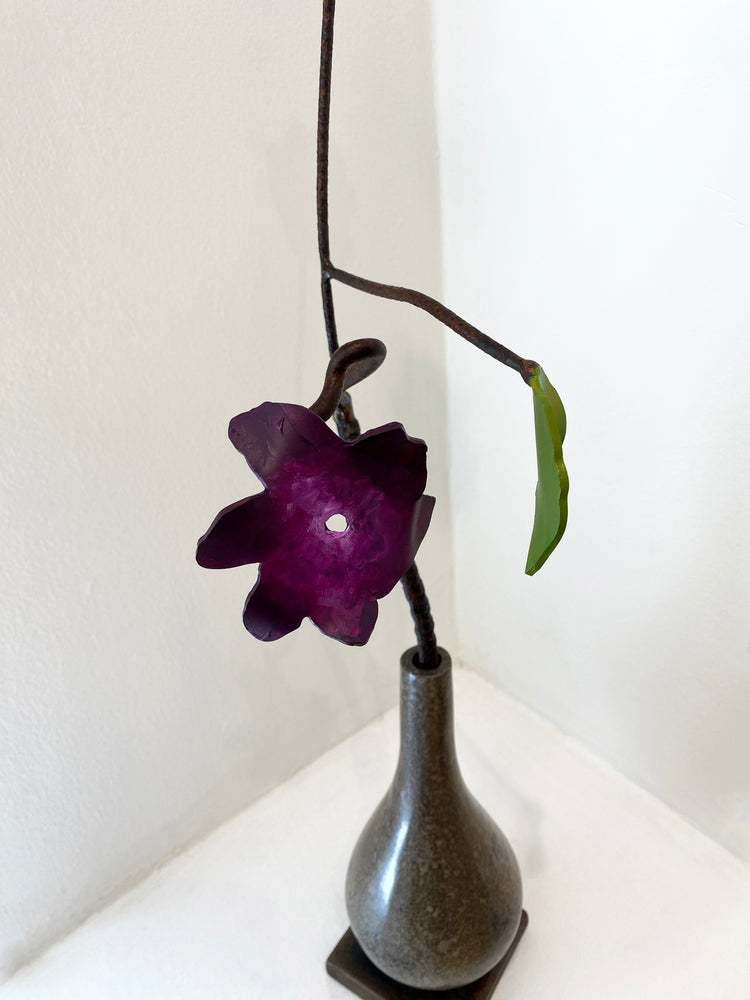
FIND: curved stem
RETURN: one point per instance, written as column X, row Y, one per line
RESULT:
column 345, row 419
column 446, row 316
column 424, row 626
column 324, row 115
column 349, row 364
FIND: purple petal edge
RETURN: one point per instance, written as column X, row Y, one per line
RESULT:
column 307, row 569
column 353, row 630
column 265, row 618
column 242, row 533
column 274, row 434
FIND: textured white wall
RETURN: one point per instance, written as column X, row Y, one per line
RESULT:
column 595, row 166
column 159, row 275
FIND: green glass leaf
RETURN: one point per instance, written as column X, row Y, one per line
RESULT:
column 551, row 508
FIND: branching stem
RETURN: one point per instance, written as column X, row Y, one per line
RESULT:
column 345, row 420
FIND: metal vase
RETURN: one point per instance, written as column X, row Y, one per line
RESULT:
column 433, row 889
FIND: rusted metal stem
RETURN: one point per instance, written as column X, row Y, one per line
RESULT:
column 349, row 364
column 324, row 115
column 446, row 316
column 424, row 626
column 346, row 422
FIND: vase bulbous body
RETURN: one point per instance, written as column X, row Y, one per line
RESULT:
column 433, row 889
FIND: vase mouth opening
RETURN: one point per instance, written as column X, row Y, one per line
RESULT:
column 410, row 663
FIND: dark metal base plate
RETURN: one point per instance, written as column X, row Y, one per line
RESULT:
column 348, row 964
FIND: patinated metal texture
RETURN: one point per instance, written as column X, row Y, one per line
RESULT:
column 346, row 422
column 433, row 889
column 424, row 626
column 349, row 965
column 349, row 364
column 336, row 527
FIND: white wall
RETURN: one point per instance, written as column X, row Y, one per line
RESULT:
column 159, row 272
column 595, row 165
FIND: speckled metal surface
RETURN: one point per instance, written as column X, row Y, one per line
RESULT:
column 433, row 889
column 349, row 965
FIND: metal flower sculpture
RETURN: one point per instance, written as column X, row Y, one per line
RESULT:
column 336, row 528
column 374, row 480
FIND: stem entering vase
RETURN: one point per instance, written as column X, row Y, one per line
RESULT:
column 346, row 422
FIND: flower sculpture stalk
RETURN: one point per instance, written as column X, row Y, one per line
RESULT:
column 373, row 485
column 374, row 481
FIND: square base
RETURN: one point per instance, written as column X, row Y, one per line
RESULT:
column 349, row 965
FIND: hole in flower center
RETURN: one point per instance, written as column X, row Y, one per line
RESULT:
column 337, row 522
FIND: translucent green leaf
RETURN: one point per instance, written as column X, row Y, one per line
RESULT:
column 551, row 509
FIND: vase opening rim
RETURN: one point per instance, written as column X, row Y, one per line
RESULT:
column 410, row 665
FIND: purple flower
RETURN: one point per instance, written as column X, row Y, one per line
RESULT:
column 310, row 568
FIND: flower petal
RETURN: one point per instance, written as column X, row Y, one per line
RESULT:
column 244, row 532
column 278, row 439
column 393, row 460
column 419, row 525
column 271, row 611
column 308, row 568
column 350, row 625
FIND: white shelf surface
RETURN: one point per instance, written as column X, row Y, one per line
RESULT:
column 626, row 900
